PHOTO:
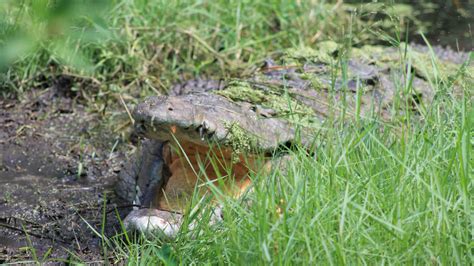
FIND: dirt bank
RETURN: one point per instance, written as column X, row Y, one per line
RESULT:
column 57, row 169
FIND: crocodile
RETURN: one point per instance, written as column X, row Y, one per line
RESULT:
column 214, row 133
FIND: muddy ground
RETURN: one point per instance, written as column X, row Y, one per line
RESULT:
column 58, row 166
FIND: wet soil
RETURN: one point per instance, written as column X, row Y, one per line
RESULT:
column 57, row 172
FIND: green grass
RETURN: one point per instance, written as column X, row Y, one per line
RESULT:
column 141, row 47
column 371, row 193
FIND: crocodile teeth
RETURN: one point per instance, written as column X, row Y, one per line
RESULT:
column 201, row 132
column 206, row 127
column 136, row 201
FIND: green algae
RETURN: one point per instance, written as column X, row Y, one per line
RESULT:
column 239, row 139
column 238, row 90
column 263, row 91
column 275, row 98
column 322, row 54
column 429, row 67
column 316, row 82
column 373, row 55
column 425, row 65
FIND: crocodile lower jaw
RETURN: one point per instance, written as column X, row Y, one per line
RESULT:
column 159, row 223
column 193, row 169
column 153, row 222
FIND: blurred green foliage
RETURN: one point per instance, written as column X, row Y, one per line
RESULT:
column 57, row 29
column 57, row 26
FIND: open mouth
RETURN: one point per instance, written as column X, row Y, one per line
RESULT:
column 196, row 168
column 191, row 170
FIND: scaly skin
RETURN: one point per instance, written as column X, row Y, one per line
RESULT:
column 203, row 118
column 278, row 106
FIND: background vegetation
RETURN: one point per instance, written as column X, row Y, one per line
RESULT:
column 144, row 46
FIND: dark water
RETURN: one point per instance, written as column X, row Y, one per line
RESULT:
column 452, row 24
column 443, row 22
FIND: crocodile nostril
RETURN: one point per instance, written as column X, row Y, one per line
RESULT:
column 170, row 108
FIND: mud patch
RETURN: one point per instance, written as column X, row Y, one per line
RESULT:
column 57, row 171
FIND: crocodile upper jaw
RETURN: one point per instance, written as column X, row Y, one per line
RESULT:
column 204, row 118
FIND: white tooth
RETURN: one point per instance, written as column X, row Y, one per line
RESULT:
column 208, row 126
column 201, row 132
column 136, row 201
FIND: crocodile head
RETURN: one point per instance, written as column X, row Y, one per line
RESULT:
column 198, row 130
column 206, row 118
